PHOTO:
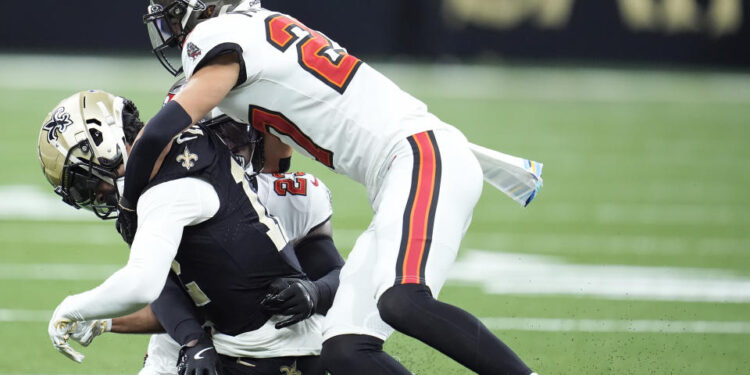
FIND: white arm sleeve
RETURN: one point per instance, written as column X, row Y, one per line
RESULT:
column 163, row 212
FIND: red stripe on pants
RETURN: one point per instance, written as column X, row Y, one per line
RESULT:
column 419, row 217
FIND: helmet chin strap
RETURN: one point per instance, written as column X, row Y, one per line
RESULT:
column 120, row 184
column 191, row 7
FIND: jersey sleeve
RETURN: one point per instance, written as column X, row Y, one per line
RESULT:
column 216, row 37
column 163, row 213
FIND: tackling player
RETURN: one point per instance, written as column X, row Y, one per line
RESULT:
column 221, row 259
column 422, row 176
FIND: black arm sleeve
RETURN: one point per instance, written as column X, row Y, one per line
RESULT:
column 169, row 122
column 176, row 312
column 322, row 262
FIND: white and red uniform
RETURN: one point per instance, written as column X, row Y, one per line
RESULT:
column 300, row 202
column 421, row 177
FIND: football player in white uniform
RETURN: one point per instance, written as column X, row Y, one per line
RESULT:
column 422, row 177
column 82, row 145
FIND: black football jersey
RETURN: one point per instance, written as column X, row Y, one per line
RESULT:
column 227, row 262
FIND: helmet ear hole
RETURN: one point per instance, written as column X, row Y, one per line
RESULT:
column 96, row 136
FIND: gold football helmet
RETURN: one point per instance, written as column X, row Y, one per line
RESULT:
column 82, row 150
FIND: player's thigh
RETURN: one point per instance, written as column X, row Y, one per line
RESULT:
column 161, row 357
column 424, row 209
column 354, row 309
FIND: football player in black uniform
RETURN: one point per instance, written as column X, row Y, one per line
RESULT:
column 224, row 256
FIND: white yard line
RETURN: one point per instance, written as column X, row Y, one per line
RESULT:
column 30, row 202
column 523, row 274
column 516, row 274
column 16, row 315
column 616, row 326
column 37, row 271
column 34, row 203
column 522, row 324
column 582, row 243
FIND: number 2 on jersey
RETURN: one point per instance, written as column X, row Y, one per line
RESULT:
column 332, row 66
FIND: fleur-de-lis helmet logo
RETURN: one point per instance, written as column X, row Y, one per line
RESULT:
column 57, row 124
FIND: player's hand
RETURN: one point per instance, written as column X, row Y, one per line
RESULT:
column 84, row 332
column 199, row 359
column 294, row 297
column 127, row 221
column 60, row 329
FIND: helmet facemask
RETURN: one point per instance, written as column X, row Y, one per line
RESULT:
column 168, row 25
column 82, row 149
column 88, row 185
column 170, row 21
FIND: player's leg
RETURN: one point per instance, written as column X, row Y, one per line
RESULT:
column 359, row 354
column 416, row 251
column 353, row 331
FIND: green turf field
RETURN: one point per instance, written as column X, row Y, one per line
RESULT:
column 634, row 259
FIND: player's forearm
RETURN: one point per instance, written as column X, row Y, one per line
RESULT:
column 177, row 313
column 322, row 262
column 135, row 285
column 123, row 293
column 327, row 287
column 141, row 321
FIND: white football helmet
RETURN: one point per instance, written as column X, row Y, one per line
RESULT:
column 82, row 147
column 170, row 21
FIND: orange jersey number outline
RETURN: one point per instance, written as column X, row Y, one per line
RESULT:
column 315, row 52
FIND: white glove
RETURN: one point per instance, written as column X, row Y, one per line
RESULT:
column 60, row 328
column 84, row 332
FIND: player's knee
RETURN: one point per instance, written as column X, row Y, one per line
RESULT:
column 401, row 305
column 345, row 353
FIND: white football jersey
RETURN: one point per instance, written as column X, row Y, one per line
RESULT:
column 304, row 88
column 298, row 200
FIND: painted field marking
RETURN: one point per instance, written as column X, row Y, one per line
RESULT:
column 523, row 324
column 15, row 315
column 523, row 274
column 29, row 72
column 33, row 203
column 620, row 326
column 37, row 271
column 583, row 243
column 30, row 202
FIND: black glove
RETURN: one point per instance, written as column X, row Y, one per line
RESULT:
column 290, row 296
column 199, row 359
column 127, row 221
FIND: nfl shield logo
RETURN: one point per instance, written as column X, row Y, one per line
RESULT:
column 193, row 51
